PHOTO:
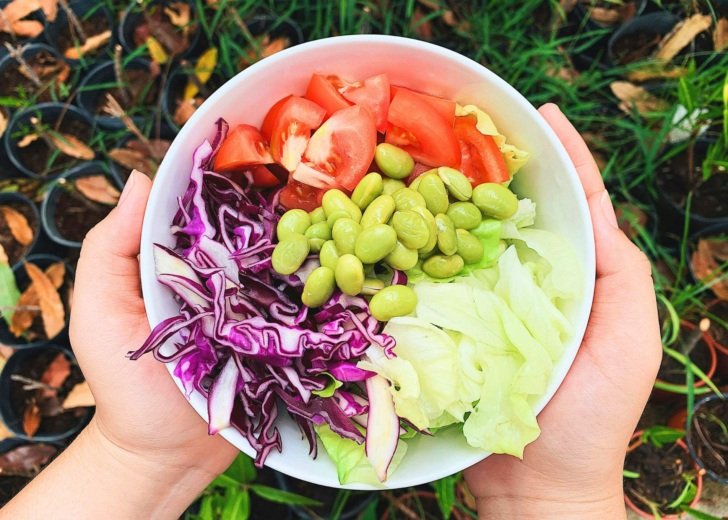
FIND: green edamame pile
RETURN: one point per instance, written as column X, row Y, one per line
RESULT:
column 427, row 223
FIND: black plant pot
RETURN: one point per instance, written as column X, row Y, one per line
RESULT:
column 12, row 485
column 93, row 88
column 690, row 438
column 12, row 417
column 647, row 30
column 17, row 200
column 119, row 172
column 5, row 37
column 174, row 87
column 582, row 12
column 49, row 114
column 22, row 280
column 58, row 34
column 133, row 15
column 9, row 69
column 53, row 196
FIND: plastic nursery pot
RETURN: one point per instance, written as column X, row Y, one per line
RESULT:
column 147, row 164
column 15, row 250
column 635, row 443
column 704, row 437
column 39, row 456
column 38, row 160
column 48, row 67
column 174, row 88
column 35, row 336
column 719, row 309
column 605, row 14
column 137, row 93
column 31, row 363
column 639, row 38
column 134, row 29
column 94, row 18
column 67, row 215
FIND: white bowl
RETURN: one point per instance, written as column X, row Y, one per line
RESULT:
column 549, row 178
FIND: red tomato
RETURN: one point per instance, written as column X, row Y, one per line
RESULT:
column 436, row 143
column 296, row 195
column 444, row 107
column 323, row 93
column 271, row 117
column 290, row 124
column 342, row 148
column 263, row 178
column 373, row 95
column 482, row 161
column 242, row 147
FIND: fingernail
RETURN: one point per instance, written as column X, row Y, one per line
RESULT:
column 128, row 187
column 608, row 209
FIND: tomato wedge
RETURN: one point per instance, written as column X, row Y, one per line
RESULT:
column 373, row 95
column 271, row 117
column 323, row 93
column 244, row 146
column 444, row 107
column 436, row 142
column 290, row 122
column 340, row 151
column 296, row 195
column 482, row 161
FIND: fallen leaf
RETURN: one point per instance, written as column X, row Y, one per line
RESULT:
column 705, row 264
column 27, row 460
column 131, row 159
column 23, row 317
column 156, row 51
column 80, row 396
column 656, row 71
column 31, row 419
column 56, row 373
column 15, row 11
column 91, row 44
column 18, row 224
column 167, row 35
column 71, row 146
column 203, row 71
column 631, row 95
column 27, row 140
column 27, row 28
column 50, row 9
column 51, row 306
column 277, row 45
column 184, row 111
column 720, row 35
column 681, row 36
column 3, row 121
column 98, row 188
column 157, row 147
column 178, row 13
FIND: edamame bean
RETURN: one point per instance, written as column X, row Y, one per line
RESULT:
column 456, row 183
column 317, row 215
column 416, row 183
column 336, row 215
column 336, row 200
column 378, row 212
column 368, row 189
column 464, row 215
column 407, row 198
column 393, row 301
column 319, row 287
column 447, row 240
column 315, row 244
column 345, row 233
column 329, row 255
column 391, row 186
column 349, row 274
column 433, row 191
column 374, row 243
column 319, row 230
column 290, row 253
column 441, row 266
column 411, row 229
column 469, row 247
column 372, row 286
column 394, row 162
column 430, row 220
column 401, row 257
column 292, row 221
column 495, row 200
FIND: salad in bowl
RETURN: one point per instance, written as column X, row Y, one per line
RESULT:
column 353, row 280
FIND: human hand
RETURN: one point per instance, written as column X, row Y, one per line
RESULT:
column 574, row 469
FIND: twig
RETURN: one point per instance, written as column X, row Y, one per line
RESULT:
column 17, row 54
column 119, row 73
column 32, row 384
column 113, row 108
column 74, row 20
column 707, row 443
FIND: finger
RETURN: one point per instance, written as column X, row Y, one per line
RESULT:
column 575, row 146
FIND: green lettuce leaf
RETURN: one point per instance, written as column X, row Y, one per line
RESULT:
column 9, row 293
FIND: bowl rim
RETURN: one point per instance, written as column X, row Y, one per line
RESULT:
column 571, row 177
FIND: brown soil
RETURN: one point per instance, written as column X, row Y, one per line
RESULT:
column 11, row 486
column 14, row 249
column 661, row 475
column 46, row 67
column 75, row 215
column 140, row 88
column 673, row 371
column 42, row 159
column 93, row 25
column 709, row 438
column 635, row 47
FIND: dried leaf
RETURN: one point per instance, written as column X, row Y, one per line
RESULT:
column 23, row 316
column 178, row 13
column 18, row 224
column 91, row 44
column 98, row 188
column 3, row 122
column 720, row 35
column 71, row 146
column 705, row 263
column 27, row 460
column 157, row 147
column 27, row 140
column 156, row 51
column 15, row 11
column 80, row 396
column 277, row 45
column 131, row 159
column 204, row 68
column 184, row 111
column 631, row 95
column 31, row 419
column 27, row 28
column 50, row 9
column 168, row 36
column 656, row 71
column 51, row 306
column 56, row 373
column 681, row 36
